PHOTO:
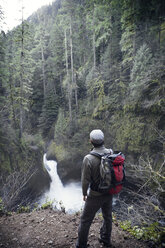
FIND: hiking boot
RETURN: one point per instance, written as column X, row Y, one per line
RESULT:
column 105, row 243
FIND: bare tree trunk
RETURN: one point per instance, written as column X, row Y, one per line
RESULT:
column 94, row 45
column 159, row 34
column 66, row 54
column 134, row 45
column 72, row 68
column 76, row 97
column 61, row 84
column 11, row 86
column 43, row 66
column 71, row 50
column 70, row 102
column 12, row 103
column 68, row 83
column 42, row 57
column 21, row 76
column 54, row 89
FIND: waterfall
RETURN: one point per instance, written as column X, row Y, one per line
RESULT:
column 68, row 196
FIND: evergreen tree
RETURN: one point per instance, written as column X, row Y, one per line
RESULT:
column 3, row 101
column 49, row 112
column 20, row 75
column 97, row 60
column 141, row 71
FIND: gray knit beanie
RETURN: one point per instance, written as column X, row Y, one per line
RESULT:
column 97, row 136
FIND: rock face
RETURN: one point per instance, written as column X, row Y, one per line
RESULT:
column 70, row 169
column 51, row 156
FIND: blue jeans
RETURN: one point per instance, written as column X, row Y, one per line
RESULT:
column 92, row 205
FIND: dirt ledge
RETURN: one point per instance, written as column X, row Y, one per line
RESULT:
column 50, row 228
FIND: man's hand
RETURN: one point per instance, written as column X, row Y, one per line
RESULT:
column 84, row 198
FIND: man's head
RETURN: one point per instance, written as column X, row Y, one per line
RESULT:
column 97, row 137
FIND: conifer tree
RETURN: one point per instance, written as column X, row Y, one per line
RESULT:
column 20, row 74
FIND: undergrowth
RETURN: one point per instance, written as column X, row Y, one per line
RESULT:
column 153, row 232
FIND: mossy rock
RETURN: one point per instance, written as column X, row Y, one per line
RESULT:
column 56, row 152
column 70, row 168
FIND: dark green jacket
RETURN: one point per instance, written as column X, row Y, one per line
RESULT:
column 91, row 171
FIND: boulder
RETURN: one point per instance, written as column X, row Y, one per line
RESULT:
column 70, row 169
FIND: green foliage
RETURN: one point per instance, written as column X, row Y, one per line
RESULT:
column 47, row 204
column 49, row 112
column 95, row 91
column 129, row 133
column 152, row 232
column 114, row 218
column 141, row 70
column 60, row 92
column 57, row 150
column 100, row 215
column 128, row 35
column 23, row 209
column 35, row 207
column 32, row 140
column 61, row 126
column 3, row 210
column 127, row 45
column 102, row 23
column 2, row 207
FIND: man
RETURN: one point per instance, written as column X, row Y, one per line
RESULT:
column 94, row 200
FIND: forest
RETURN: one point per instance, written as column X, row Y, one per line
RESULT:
column 77, row 65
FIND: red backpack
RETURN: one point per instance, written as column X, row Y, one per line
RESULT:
column 112, row 172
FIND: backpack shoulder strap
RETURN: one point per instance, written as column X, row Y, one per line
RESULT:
column 97, row 154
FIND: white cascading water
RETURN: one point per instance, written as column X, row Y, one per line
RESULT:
column 68, row 196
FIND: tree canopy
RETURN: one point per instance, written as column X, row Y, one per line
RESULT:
column 78, row 65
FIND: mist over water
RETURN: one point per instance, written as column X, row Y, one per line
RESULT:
column 68, row 196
